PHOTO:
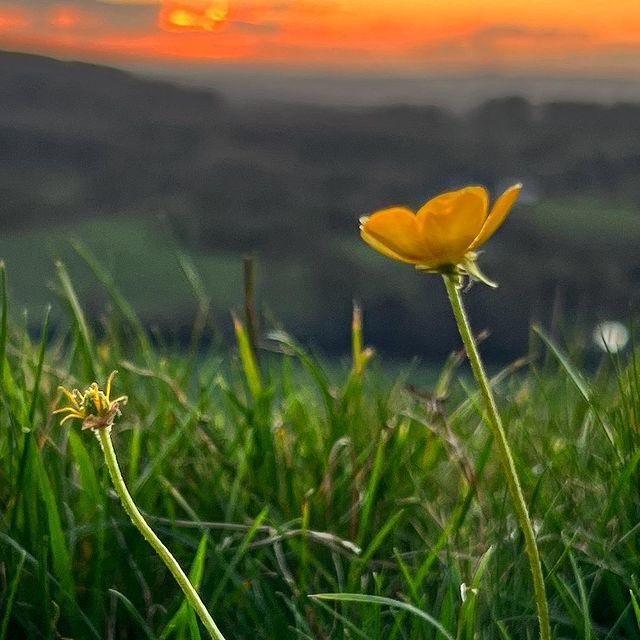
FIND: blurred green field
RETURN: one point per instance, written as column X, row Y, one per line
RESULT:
column 584, row 247
column 307, row 479
column 145, row 263
column 140, row 257
column 587, row 220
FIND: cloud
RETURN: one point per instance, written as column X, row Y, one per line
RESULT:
column 501, row 43
column 12, row 17
column 255, row 27
column 35, row 19
column 497, row 34
column 72, row 18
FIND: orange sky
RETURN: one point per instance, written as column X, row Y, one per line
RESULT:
column 413, row 35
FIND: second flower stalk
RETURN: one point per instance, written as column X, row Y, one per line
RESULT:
column 98, row 412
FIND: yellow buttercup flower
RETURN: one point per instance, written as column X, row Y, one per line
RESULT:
column 94, row 407
column 444, row 233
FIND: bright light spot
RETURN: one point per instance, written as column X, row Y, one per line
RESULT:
column 215, row 13
column 181, row 18
column 198, row 15
column 64, row 16
column 610, row 335
column 465, row 589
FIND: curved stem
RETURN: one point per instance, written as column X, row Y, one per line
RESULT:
column 104, row 436
column 506, row 458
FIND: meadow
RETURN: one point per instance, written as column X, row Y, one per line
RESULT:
column 577, row 255
column 275, row 478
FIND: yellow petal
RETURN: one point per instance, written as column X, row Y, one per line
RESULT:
column 394, row 232
column 499, row 212
column 107, row 390
column 65, row 409
column 450, row 222
column 69, row 395
column 71, row 416
column 378, row 246
column 94, row 390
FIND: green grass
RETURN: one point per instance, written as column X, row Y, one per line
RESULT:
column 138, row 254
column 586, row 219
column 280, row 480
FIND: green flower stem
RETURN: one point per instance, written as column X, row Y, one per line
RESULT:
column 506, row 458
column 104, row 436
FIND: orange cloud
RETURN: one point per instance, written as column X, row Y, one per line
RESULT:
column 141, row 45
column 504, row 44
column 14, row 18
column 64, row 16
column 72, row 20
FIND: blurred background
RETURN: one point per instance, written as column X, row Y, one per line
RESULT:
column 150, row 129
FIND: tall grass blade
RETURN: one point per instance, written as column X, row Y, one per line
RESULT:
column 390, row 602
column 248, row 359
column 636, row 608
column 381, row 535
column 39, row 365
column 81, row 322
column 140, row 621
column 623, row 482
column 34, row 563
column 185, row 617
column 575, row 376
column 11, row 596
column 584, row 601
column 237, row 556
column 60, row 556
column 167, row 448
column 343, row 619
column 121, row 303
column 4, row 298
column 250, row 313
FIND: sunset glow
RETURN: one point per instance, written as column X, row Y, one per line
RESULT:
column 13, row 18
column 413, row 35
column 193, row 15
column 65, row 16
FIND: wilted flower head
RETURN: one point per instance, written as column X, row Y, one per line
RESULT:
column 445, row 232
column 94, row 407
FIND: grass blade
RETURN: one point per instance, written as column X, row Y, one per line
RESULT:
column 81, row 322
column 13, row 589
column 636, row 607
column 38, row 375
column 248, row 359
column 121, row 303
column 584, row 601
column 238, row 556
column 134, row 613
column 576, row 377
column 3, row 317
column 185, row 616
column 59, row 552
column 390, row 602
